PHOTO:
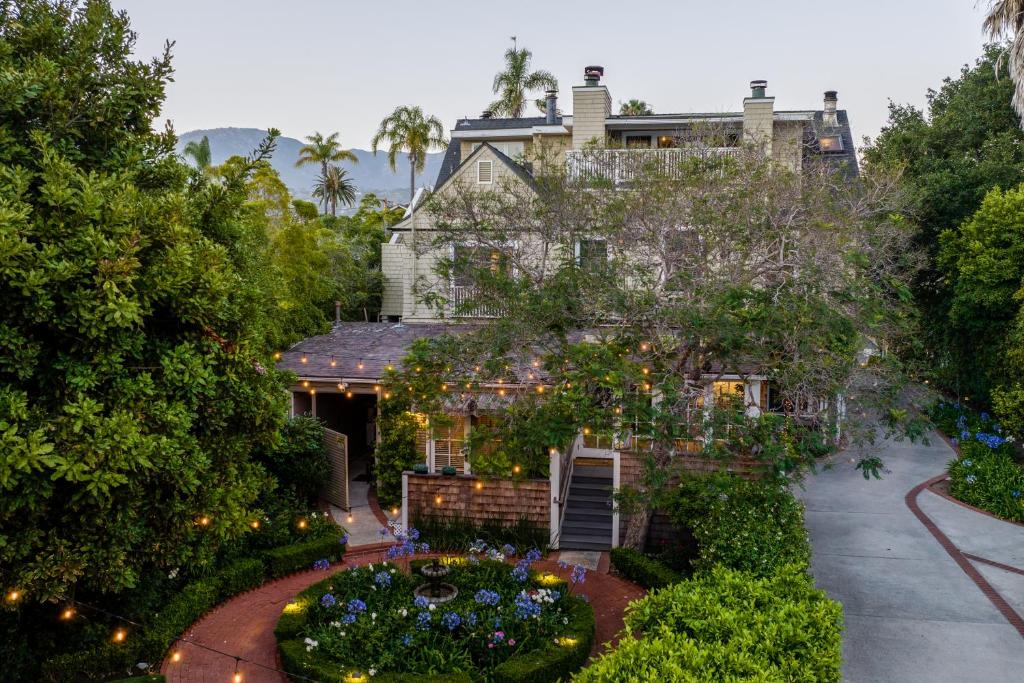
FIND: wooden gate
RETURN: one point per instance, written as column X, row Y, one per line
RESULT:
column 336, row 490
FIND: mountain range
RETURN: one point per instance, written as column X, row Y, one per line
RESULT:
column 371, row 174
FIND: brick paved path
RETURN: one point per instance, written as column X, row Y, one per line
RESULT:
column 244, row 625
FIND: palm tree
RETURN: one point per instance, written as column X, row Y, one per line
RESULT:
column 200, row 153
column 335, row 186
column 324, row 151
column 513, row 84
column 409, row 130
column 1006, row 20
column 635, row 108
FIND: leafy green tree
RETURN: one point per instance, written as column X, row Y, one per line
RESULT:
column 635, row 108
column 324, row 151
column 134, row 376
column 516, row 81
column 199, row 152
column 299, row 460
column 1005, row 20
column 335, row 186
column 306, row 211
column 409, row 130
column 951, row 155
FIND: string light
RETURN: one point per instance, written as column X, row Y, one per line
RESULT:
column 348, row 394
column 13, row 596
column 552, row 451
column 586, row 431
column 302, row 524
column 501, row 392
column 341, row 387
column 305, row 383
column 176, row 656
column 277, row 355
column 312, row 392
column 387, row 394
column 120, row 635
column 647, row 371
column 334, row 363
column 516, row 469
column 360, row 364
column 204, row 521
column 540, row 388
column 644, row 346
column 237, row 678
column 438, row 500
column 479, row 485
column 255, row 524
column 67, row 613
column 376, row 387
column 394, row 511
column 349, row 518
column 444, row 387
column 304, row 359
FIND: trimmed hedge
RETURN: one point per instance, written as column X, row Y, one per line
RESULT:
column 728, row 625
column 553, row 663
column 289, row 559
column 643, row 570
column 187, row 606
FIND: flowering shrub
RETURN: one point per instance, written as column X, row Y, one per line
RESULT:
column 358, row 620
column 986, row 475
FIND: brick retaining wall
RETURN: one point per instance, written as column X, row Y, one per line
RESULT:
column 506, row 500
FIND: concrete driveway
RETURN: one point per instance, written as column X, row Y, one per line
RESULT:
column 912, row 613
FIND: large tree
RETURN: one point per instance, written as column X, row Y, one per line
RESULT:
column 324, row 151
column 1005, row 20
column 135, row 378
column 335, row 186
column 624, row 303
column 199, row 152
column 514, row 84
column 408, row 130
column 966, row 141
column 635, row 108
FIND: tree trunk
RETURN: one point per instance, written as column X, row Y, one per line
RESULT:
column 412, row 177
column 636, row 529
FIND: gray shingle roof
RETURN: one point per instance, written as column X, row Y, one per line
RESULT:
column 503, row 124
column 453, row 159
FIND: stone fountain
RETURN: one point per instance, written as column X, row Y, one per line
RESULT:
column 435, row 590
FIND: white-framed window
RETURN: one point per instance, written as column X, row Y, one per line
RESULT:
column 513, row 149
column 485, row 172
column 591, row 254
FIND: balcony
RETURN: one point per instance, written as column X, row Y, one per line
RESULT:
column 623, row 165
column 463, row 295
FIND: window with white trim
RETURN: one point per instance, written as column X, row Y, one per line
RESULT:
column 591, row 255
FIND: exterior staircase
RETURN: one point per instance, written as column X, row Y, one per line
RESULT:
column 588, row 512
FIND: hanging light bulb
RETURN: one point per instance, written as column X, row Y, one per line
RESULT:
column 360, row 364
column 204, row 521
column 237, row 678
column 255, row 524
column 438, row 500
column 540, row 388
column 479, row 485
column 312, row 392
column 394, row 511
column 516, row 469
column 501, row 392
column 14, row 596
column 302, row 524
column 305, row 383
column 277, row 355
column 348, row 394
column 67, row 613
column 334, row 363
column 176, row 656
column 120, row 635
column 348, row 518
column 444, row 387
column 304, row 359
column 341, row 387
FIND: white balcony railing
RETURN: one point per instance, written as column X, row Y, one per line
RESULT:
column 623, row 165
column 461, row 295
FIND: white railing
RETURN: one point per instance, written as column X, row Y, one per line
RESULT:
column 623, row 165
column 463, row 295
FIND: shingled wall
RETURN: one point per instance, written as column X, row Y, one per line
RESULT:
column 506, row 500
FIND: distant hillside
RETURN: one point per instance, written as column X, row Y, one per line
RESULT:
column 371, row 174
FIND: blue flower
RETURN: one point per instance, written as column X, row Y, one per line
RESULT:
column 970, row 479
column 344, row 539
column 563, row 564
column 382, row 579
column 348, row 618
column 421, row 602
column 413, row 534
column 487, row 597
column 508, row 549
column 328, row 600
column 984, row 417
column 471, row 619
column 497, row 622
column 356, row 605
column 321, row 564
column 407, row 639
column 533, row 555
column 521, row 573
column 968, row 462
column 964, row 435
column 423, row 621
column 450, row 620
column 526, row 607
column 578, row 574
column 1015, row 494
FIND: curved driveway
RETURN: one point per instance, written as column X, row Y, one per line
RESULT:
column 912, row 613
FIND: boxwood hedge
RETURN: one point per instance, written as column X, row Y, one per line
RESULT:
column 643, row 570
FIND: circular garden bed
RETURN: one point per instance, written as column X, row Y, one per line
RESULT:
column 506, row 623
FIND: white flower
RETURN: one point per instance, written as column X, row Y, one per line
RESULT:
column 373, row 615
column 431, row 607
column 173, row 573
column 404, row 612
column 392, row 571
column 372, row 672
column 342, row 634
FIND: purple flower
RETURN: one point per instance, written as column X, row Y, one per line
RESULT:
column 533, row 555
column 413, row 534
column 508, row 549
column 526, row 607
column 471, row 619
column 328, row 600
column 344, row 539
column 382, row 579
column 348, row 618
column 578, row 574
column 321, row 564
column 522, row 571
column 356, row 605
column 563, row 564
column 423, row 621
column 421, row 602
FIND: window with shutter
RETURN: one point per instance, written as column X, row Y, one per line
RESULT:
column 484, row 172
column 449, row 442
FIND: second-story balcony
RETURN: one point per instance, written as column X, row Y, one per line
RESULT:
column 463, row 304
column 623, row 165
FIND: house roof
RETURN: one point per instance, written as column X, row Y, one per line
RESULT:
column 454, row 154
column 349, row 344
column 501, row 124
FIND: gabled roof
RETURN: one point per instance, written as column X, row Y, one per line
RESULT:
column 452, row 163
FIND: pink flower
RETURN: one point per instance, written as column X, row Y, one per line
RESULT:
column 512, row 641
column 490, row 645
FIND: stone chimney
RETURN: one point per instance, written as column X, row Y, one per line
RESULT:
column 829, row 117
column 759, row 116
column 550, row 107
column 591, row 107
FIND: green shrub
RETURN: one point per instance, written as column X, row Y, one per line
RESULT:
column 396, row 451
column 299, row 460
column 195, row 600
column 988, row 479
column 728, row 625
column 299, row 556
column 754, row 526
column 643, row 570
column 240, row 576
column 454, row 534
column 557, row 661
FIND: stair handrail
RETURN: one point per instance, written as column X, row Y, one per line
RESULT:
column 565, row 479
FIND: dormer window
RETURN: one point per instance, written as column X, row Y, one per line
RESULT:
column 830, row 143
column 484, row 172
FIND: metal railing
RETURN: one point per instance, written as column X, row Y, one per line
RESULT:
column 623, row 165
column 463, row 305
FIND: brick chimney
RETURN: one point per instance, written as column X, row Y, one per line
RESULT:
column 759, row 116
column 591, row 107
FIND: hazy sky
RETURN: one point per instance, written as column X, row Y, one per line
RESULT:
column 342, row 65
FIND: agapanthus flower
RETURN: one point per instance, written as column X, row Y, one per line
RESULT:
column 968, row 462
column 451, row 620
column 423, row 621
column 421, row 602
column 356, row 605
column 526, row 607
column 1015, row 494
column 348, row 618
column 970, row 479
column 487, row 597
column 578, row 574
column 533, row 555
column 521, row 572
column 382, row 579
column 328, row 600
column 471, row 619
column 344, row 539
column 321, row 564
column 508, row 549
column 407, row 639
